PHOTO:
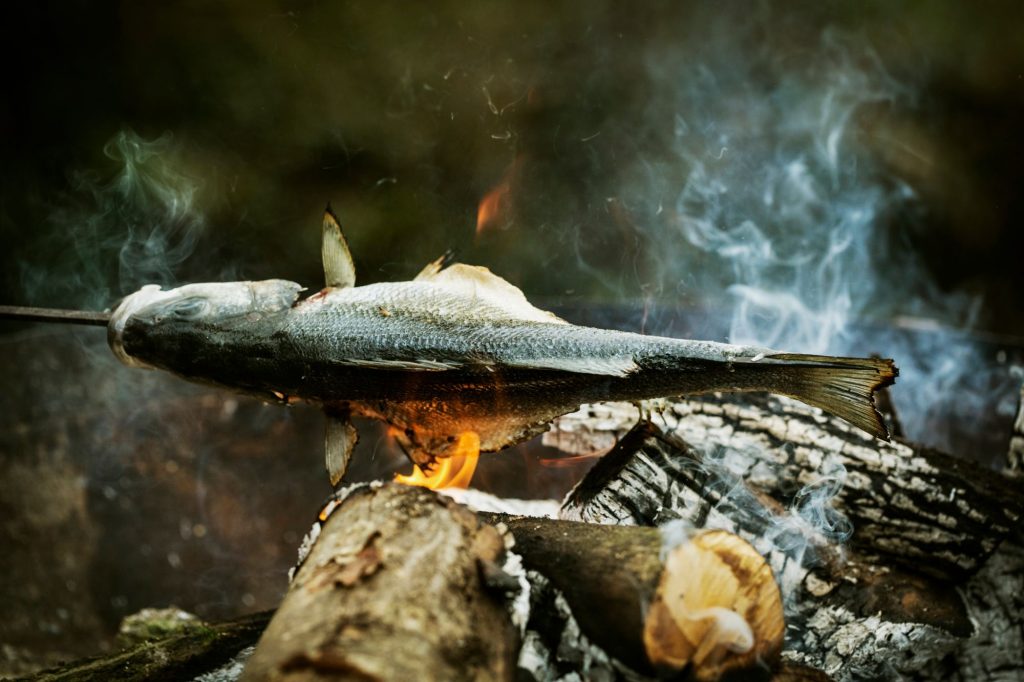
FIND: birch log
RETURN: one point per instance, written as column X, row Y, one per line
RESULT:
column 910, row 505
column 848, row 614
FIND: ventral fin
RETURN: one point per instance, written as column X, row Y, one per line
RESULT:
column 436, row 266
column 339, row 270
column 340, row 440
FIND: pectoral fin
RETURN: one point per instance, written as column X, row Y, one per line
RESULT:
column 339, row 270
column 339, row 441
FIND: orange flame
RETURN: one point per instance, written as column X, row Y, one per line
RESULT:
column 491, row 206
column 455, row 471
column 494, row 205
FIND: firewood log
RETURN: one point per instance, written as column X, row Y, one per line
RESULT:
column 392, row 590
column 706, row 605
column 850, row 614
column 175, row 657
column 910, row 505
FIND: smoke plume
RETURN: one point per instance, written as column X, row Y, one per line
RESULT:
column 116, row 230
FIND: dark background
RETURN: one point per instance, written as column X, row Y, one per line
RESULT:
column 630, row 149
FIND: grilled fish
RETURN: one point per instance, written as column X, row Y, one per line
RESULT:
column 456, row 349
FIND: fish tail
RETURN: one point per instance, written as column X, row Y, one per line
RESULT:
column 844, row 387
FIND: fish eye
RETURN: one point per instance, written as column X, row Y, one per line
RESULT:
column 189, row 308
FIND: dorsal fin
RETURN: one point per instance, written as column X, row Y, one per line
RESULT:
column 501, row 297
column 339, row 270
column 435, row 266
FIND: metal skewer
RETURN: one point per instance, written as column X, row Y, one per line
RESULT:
column 30, row 314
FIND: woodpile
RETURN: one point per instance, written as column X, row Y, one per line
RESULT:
column 929, row 582
column 721, row 538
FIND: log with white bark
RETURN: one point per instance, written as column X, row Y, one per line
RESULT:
column 851, row 614
column 910, row 505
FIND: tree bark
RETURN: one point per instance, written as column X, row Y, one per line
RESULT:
column 620, row 583
column 850, row 614
column 910, row 505
column 392, row 590
column 174, row 658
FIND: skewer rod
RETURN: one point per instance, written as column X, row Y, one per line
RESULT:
column 30, row 314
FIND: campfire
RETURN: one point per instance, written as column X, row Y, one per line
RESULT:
column 671, row 342
column 715, row 538
column 724, row 536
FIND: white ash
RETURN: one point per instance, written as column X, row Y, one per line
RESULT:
column 519, row 606
column 995, row 602
column 308, row 540
column 230, row 671
column 535, row 658
column 480, row 501
column 848, row 647
column 333, row 502
column 544, row 659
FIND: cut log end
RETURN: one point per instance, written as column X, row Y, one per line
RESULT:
column 717, row 609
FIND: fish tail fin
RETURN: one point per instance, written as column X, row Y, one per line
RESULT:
column 844, row 387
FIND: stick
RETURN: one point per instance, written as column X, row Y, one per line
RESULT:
column 177, row 657
column 31, row 314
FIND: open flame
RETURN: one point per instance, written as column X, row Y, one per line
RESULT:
column 494, row 205
column 455, row 471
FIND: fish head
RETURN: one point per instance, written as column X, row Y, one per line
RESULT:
column 152, row 326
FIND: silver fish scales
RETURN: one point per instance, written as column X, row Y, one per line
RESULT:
column 456, row 349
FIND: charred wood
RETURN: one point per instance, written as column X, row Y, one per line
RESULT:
column 392, row 590
column 910, row 505
column 995, row 599
column 851, row 614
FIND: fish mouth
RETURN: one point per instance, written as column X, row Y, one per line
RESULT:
column 133, row 303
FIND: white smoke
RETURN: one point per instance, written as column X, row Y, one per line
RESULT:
column 784, row 216
column 117, row 230
column 784, row 200
column 793, row 539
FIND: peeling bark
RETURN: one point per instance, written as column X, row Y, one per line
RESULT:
column 392, row 590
